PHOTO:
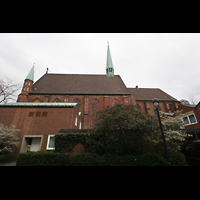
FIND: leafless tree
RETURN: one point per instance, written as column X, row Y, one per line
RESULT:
column 192, row 99
column 8, row 88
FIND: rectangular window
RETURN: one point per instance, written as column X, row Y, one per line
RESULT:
column 186, row 121
column 38, row 114
column 189, row 119
column 50, row 143
column 44, row 114
column 31, row 114
column 192, row 119
column 76, row 120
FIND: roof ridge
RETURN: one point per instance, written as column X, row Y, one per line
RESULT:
column 145, row 88
column 79, row 74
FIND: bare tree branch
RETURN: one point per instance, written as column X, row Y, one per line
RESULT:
column 7, row 90
column 192, row 99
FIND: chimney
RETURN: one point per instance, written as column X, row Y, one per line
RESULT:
column 137, row 87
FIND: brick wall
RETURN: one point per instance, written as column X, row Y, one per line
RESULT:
column 39, row 121
column 85, row 102
column 196, row 111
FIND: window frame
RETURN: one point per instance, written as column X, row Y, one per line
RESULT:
column 76, row 120
column 188, row 117
column 49, row 148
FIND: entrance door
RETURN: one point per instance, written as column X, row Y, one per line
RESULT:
column 31, row 143
column 35, row 145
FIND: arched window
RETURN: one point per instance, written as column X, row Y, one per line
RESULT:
column 171, row 108
column 95, row 109
column 79, row 104
column 57, row 100
column 138, row 108
column 37, row 100
column 155, row 112
column 114, row 102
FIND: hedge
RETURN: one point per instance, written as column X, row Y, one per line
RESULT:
column 45, row 158
column 6, row 158
column 64, row 142
column 39, row 158
column 151, row 159
column 120, row 143
column 116, row 160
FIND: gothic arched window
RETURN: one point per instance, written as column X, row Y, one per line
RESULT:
column 114, row 102
column 79, row 104
column 57, row 100
column 138, row 108
column 171, row 108
column 95, row 109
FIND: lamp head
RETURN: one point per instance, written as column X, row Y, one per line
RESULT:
column 155, row 102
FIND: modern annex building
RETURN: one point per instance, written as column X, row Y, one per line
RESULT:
column 71, row 101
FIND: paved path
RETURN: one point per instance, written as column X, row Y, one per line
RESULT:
column 9, row 164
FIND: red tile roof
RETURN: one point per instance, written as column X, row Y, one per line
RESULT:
column 79, row 84
column 149, row 94
column 93, row 84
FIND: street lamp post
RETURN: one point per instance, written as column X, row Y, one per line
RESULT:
column 156, row 103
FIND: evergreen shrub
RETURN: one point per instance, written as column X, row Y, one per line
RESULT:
column 81, row 159
column 177, row 159
column 116, row 160
column 64, row 142
column 39, row 158
column 151, row 159
column 6, row 158
column 45, row 158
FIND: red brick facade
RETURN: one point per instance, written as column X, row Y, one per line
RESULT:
column 39, row 121
column 86, row 103
column 188, row 110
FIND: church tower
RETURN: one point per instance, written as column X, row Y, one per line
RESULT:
column 28, row 82
column 109, row 64
column 27, row 87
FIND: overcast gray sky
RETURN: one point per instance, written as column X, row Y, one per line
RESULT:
column 169, row 61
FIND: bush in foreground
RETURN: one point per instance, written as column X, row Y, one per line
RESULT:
column 45, row 158
column 6, row 158
column 39, row 158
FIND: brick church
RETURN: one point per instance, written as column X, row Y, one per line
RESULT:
column 71, row 101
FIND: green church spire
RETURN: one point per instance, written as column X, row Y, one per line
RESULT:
column 109, row 64
column 31, row 74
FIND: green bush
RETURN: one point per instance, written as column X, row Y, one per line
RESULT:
column 6, row 158
column 114, row 142
column 82, row 159
column 45, row 158
column 39, row 158
column 111, row 159
column 177, row 159
column 151, row 159
column 116, row 160
column 88, row 159
column 64, row 142
column 63, row 159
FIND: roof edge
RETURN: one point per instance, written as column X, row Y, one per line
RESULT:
column 43, row 104
column 159, row 100
column 49, row 93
